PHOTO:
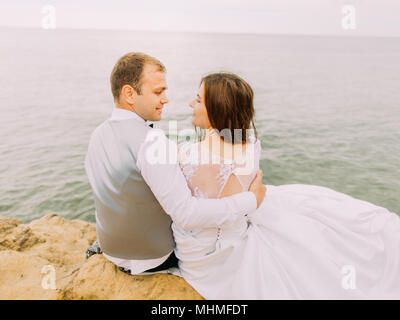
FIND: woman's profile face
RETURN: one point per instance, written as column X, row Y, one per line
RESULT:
column 200, row 116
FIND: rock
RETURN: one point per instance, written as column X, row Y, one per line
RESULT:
column 46, row 260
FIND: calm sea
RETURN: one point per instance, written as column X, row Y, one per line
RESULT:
column 327, row 109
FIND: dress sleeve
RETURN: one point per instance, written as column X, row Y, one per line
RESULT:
column 167, row 182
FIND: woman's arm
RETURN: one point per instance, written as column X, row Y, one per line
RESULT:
column 169, row 186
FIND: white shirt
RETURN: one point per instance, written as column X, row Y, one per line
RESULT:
column 176, row 199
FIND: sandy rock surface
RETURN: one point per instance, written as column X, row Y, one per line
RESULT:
column 45, row 259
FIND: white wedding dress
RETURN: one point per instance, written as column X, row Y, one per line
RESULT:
column 303, row 242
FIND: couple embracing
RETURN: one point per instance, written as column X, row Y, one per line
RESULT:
column 208, row 214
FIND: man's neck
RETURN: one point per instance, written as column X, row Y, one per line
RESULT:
column 129, row 108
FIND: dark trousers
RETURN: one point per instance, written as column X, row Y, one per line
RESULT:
column 172, row 261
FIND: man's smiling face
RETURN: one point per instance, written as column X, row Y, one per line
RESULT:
column 150, row 102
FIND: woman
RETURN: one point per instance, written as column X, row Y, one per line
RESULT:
column 304, row 242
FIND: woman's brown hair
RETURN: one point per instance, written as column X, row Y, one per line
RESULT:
column 229, row 103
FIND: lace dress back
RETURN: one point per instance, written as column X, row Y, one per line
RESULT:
column 207, row 173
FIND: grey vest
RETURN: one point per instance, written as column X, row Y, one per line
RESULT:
column 130, row 223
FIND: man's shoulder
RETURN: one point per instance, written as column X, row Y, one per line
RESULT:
column 129, row 125
column 98, row 130
column 122, row 126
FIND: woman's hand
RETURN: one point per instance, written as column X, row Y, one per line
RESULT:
column 258, row 188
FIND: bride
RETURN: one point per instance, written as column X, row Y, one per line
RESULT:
column 303, row 242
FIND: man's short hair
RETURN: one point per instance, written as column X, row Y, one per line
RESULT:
column 129, row 70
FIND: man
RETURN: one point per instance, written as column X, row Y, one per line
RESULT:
column 134, row 198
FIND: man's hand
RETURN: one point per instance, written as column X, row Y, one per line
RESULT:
column 258, row 188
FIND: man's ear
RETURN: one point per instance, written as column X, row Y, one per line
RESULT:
column 129, row 94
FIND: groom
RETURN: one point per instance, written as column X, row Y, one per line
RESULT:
column 136, row 199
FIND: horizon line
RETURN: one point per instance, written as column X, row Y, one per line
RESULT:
column 205, row 32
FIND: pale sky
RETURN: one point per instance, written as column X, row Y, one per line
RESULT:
column 318, row 17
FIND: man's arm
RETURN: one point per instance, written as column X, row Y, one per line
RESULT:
column 169, row 186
